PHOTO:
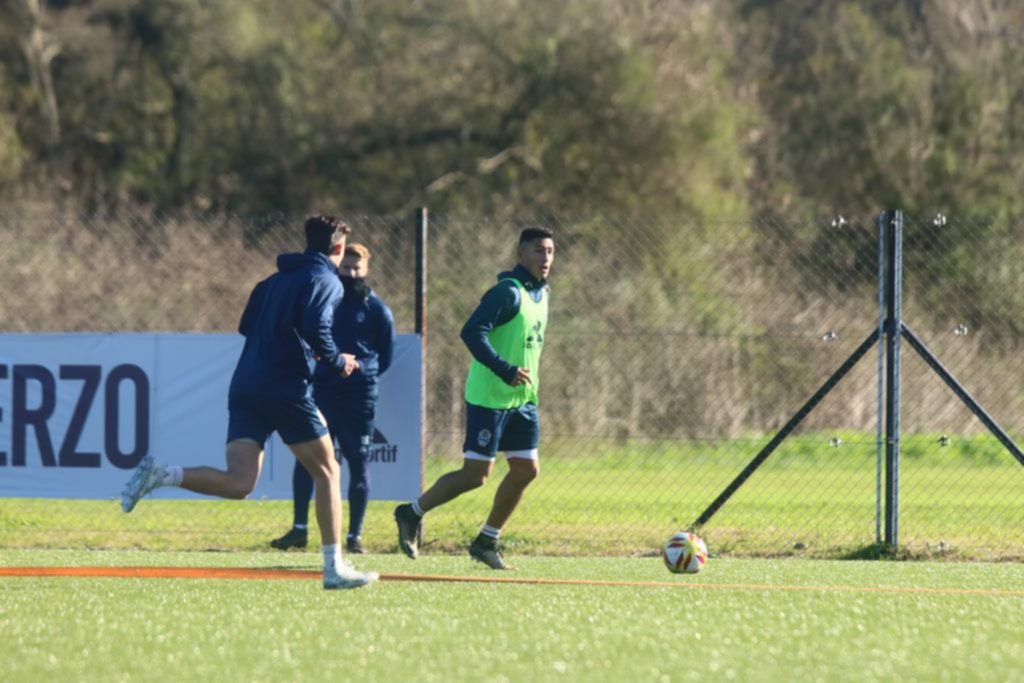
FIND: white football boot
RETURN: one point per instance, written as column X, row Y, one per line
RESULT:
column 147, row 477
column 345, row 576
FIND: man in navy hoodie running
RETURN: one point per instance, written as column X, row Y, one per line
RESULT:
column 365, row 327
column 287, row 327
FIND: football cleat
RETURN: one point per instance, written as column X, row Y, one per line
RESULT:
column 295, row 538
column 409, row 529
column 486, row 550
column 146, row 477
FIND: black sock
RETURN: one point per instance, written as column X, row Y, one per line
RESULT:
column 302, row 493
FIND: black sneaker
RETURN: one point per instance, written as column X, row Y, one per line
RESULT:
column 354, row 546
column 485, row 549
column 409, row 529
column 295, row 538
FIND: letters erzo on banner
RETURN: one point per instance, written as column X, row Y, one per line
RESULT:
column 60, row 445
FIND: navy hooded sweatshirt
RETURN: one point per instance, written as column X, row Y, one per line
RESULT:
column 287, row 326
column 365, row 327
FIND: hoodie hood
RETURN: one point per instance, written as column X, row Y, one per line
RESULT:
column 286, row 263
column 523, row 275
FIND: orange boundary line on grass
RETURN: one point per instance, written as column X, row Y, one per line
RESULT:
column 259, row 573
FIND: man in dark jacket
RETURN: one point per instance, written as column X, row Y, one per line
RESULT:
column 287, row 326
column 365, row 327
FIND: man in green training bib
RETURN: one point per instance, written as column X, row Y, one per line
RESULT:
column 505, row 335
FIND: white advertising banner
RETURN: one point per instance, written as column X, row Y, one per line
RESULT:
column 78, row 412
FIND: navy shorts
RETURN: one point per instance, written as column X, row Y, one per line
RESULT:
column 514, row 431
column 255, row 418
column 350, row 421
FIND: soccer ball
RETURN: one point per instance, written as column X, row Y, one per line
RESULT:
column 685, row 553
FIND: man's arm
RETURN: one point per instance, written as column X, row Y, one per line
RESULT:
column 320, row 299
column 498, row 305
column 384, row 341
column 252, row 308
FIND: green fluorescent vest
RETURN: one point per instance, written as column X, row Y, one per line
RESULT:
column 519, row 341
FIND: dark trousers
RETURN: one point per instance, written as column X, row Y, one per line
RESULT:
column 351, row 425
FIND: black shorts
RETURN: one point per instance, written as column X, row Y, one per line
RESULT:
column 253, row 417
column 515, row 431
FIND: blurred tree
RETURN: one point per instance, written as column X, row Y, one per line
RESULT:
column 885, row 104
column 697, row 109
column 22, row 23
column 478, row 106
column 877, row 105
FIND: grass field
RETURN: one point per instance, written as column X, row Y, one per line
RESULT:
column 765, row 620
column 964, row 501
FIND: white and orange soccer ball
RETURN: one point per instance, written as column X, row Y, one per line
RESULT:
column 685, row 553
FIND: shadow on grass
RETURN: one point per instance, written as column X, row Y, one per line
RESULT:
column 878, row 551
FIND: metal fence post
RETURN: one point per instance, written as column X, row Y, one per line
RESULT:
column 880, row 398
column 893, row 328
column 421, row 327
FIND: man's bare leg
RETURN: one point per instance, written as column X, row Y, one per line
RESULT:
column 449, row 486
column 318, row 458
column 521, row 471
column 409, row 516
column 485, row 547
column 244, row 461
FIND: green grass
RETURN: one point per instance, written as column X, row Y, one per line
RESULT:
column 600, row 498
column 105, row 629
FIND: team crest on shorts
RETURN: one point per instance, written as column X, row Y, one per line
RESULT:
column 483, row 438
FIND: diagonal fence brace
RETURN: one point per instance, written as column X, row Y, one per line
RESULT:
column 961, row 392
column 794, row 421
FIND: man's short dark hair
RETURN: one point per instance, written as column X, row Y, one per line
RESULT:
column 535, row 233
column 323, row 232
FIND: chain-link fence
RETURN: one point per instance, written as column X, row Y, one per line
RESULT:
column 675, row 352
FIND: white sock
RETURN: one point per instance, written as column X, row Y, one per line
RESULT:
column 417, row 509
column 172, row 476
column 490, row 532
column 301, row 527
column 332, row 556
